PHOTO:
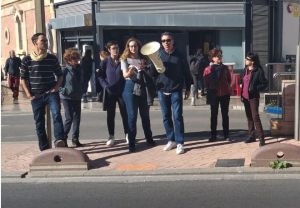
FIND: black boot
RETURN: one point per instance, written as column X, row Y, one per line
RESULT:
column 262, row 142
column 250, row 139
column 76, row 143
column 151, row 142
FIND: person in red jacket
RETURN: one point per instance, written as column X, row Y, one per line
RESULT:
column 217, row 82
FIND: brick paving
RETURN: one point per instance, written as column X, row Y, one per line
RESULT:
column 199, row 154
column 16, row 156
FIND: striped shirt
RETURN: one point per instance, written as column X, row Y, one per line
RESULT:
column 40, row 75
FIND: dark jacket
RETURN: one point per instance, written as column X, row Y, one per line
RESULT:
column 12, row 66
column 87, row 68
column 72, row 84
column 112, row 77
column 258, row 82
column 177, row 73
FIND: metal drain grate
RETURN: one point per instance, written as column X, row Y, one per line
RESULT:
column 230, row 162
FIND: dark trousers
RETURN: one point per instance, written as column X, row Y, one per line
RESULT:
column 223, row 101
column 38, row 107
column 112, row 101
column 252, row 114
column 195, row 86
column 72, row 116
column 13, row 84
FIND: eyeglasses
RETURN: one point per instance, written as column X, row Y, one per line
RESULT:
column 166, row 40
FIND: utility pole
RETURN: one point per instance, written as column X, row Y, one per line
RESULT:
column 40, row 27
column 297, row 90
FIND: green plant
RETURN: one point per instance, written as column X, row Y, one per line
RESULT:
column 279, row 164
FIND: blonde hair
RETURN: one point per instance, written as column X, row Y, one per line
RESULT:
column 127, row 54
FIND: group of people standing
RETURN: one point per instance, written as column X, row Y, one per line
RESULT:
column 130, row 80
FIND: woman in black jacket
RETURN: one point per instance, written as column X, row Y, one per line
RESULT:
column 253, row 82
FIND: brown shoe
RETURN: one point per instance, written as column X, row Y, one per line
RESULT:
column 59, row 143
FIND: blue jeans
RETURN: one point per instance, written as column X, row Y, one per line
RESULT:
column 72, row 116
column 171, row 105
column 133, row 104
column 38, row 107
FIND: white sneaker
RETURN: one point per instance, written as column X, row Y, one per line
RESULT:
column 111, row 141
column 180, row 149
column 170, row 145
column 126, row 138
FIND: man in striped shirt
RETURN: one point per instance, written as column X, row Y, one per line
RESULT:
column 41, row 77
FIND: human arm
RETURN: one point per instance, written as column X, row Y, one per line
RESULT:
column 263, row 82
column 26, row 89
column 6, row 66
column 127, row 71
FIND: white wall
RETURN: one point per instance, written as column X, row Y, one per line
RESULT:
column 290, row 30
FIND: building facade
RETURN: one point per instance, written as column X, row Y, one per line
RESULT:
column 196, row 24
column 18, row 25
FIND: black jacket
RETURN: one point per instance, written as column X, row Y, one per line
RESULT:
column 12, row 66
column 177, row 73
column 258, row 82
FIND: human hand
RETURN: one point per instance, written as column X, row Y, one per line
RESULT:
column 187, row 94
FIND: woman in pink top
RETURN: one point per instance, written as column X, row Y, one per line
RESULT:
column 254, row 81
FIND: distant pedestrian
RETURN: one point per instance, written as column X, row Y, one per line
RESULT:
column 217, row 81
column 253, row 82
column 197, row 65
column 135, row 94
column 41, row 77
column 112, row 82
column 102, row 55
column 170, row 85
column 87, row 70
column 70, row 94
column 12, row 69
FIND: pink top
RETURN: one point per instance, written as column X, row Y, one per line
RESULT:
column 246, row 81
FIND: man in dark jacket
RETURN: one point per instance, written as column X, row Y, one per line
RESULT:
column 12, row 68
column 170, row 84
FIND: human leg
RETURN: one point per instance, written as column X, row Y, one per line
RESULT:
column 53, row 101
column 254, row 105
column 38, row 109
column 224, row 103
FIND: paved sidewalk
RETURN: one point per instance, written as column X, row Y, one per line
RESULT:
column 16, row 157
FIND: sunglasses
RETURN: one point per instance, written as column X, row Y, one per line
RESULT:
column 166, row 40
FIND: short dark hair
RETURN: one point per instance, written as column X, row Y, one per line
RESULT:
column 167, row 33
column 111, row 43
column 36, row 36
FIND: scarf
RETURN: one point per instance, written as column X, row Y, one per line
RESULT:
column 36, row 57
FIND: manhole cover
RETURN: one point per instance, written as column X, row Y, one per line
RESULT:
column 230, row 162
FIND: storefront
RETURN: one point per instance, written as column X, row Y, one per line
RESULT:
column 196, row 24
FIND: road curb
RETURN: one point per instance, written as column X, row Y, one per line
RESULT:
column 293, row 172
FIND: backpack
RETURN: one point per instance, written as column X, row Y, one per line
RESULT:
column 198, row 64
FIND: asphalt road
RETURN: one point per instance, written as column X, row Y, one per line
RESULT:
column 20, row 126
column 173, row 194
